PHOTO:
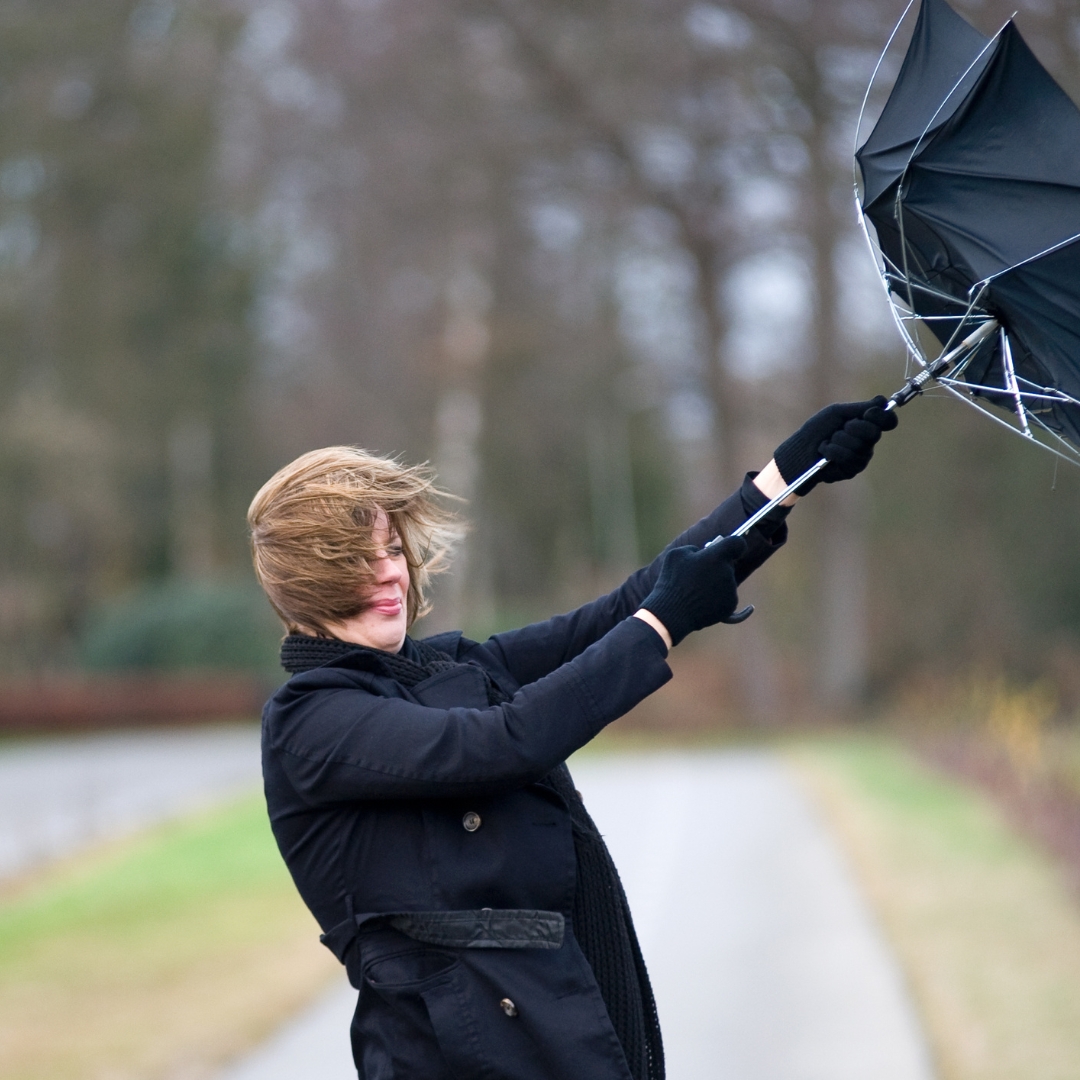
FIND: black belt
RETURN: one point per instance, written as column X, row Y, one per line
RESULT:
column 488, row 928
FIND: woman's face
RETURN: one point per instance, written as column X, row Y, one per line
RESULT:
column 384, row 619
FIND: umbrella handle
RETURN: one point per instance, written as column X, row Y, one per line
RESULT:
column 743, row 614
column 739, row 616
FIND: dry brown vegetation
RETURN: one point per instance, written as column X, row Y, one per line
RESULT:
column 985, row 927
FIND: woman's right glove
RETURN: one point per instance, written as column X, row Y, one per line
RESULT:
column 696, row 587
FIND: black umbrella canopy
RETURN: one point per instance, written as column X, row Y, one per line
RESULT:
column 945, row 57
column 971, row 179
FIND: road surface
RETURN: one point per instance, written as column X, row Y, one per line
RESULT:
column 59, row 795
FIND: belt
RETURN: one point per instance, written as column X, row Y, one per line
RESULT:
column 488, row 928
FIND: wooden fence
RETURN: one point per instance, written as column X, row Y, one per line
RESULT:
column 93, row 702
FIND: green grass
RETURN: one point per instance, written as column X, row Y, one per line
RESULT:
column 172, row 951
column 161, row 875
column 984, row 926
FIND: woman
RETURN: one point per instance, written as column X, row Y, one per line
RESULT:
column 418, row 791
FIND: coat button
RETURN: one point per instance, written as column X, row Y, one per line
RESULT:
column 471, row 821
column 508, row 1007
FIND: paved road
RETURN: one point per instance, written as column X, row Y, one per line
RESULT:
column 765, row 960
column 59, row 795
column 313, row 1046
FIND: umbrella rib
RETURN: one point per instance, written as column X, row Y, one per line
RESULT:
column 971, row 309
column 1050, row 431
column 1031, row 258
column 968, row 400
column 1058, row 397
column 960, row 368
column 875, row 251
column 1010, row 378
column 963, row 319
column 939, row 295
column 1051, row 393
column 898, row 214
column 914, row 352
column 886, row 260
column 1053, row 434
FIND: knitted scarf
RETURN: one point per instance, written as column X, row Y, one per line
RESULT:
column 601, row 915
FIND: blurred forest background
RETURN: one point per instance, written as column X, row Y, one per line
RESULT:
column 592, row 260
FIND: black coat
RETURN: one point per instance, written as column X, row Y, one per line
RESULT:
column 441, row 873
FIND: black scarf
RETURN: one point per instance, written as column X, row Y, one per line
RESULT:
column 601, row 915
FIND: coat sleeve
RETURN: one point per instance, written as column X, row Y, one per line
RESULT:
column 338, row 743
column 533, row 651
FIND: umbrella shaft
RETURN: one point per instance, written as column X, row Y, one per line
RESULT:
column 914, row 386
column 751, row 521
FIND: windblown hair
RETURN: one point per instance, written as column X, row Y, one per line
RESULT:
column 311, row 534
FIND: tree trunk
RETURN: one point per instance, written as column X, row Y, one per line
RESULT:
column 717, row 382
column 839, row 520
column 459, row 422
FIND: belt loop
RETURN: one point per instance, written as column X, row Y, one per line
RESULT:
column 350, row 911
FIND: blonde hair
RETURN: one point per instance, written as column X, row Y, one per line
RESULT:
column 311, row 533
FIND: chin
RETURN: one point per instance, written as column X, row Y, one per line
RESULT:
column 392, row 640
column 384, row 633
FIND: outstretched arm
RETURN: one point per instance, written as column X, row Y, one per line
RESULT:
column 844, row 433
column 534, row 651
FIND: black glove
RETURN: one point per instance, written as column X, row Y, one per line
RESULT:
column 696, row 587
column 843, row 433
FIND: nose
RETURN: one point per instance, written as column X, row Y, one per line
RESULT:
column 387, row 571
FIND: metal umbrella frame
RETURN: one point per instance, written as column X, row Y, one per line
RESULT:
column 947, row 363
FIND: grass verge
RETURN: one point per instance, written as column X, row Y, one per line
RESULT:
column 983, row 923
column 158, row 958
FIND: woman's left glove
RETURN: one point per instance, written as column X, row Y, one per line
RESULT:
column 844, row 434
column 696, row 587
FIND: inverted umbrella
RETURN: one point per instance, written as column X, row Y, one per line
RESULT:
column 968, row 189
column 971, row 184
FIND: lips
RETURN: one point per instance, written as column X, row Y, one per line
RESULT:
column 390, row 606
